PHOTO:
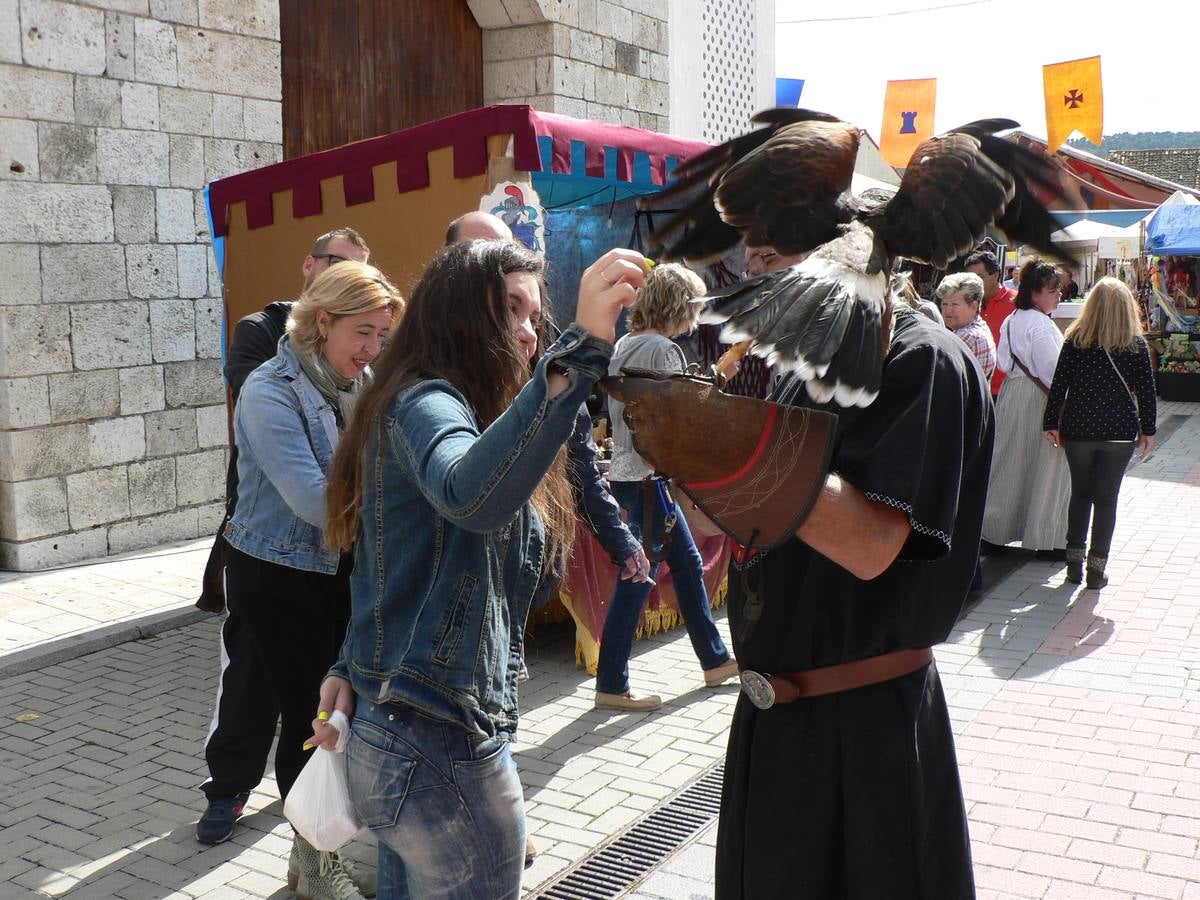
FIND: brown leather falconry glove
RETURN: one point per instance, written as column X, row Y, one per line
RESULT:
column 754, row 467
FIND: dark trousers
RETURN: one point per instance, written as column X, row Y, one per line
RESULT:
column 284, row 631
column 1097, row 468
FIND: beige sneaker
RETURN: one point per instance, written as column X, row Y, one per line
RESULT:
column 721, row 674
column 628, row 701
column 321, row 874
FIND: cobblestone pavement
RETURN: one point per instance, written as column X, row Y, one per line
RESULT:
column 1077, row 713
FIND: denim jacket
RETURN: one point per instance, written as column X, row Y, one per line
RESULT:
column 285, row 433
column 449, row 549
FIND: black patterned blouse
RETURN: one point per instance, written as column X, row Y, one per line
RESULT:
column 1088, row 402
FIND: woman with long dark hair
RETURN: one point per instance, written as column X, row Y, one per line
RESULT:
column 1100, row 408
column 1029, row 483
column 450, row 485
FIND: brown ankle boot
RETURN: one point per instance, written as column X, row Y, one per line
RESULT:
column 1075, row 557
column 1096, row 578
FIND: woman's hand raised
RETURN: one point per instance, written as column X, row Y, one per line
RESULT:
column 609, row 285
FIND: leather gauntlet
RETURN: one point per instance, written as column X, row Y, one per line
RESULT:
column 754, row 467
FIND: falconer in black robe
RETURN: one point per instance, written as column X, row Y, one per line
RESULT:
column 856, row 794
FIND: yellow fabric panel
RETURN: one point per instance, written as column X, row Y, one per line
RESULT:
column 1074, row 101
column 907, row 118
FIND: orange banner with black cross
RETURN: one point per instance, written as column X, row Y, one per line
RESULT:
column 1074, row 101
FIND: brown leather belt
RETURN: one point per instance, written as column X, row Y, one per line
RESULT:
column 765, row 691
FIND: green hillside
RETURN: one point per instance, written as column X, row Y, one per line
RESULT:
column 1140, row 140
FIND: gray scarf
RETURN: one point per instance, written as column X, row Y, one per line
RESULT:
column 339, row 390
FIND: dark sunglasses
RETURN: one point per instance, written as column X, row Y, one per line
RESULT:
column 333, row 258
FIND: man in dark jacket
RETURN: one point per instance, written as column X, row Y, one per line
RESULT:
column 245, row 714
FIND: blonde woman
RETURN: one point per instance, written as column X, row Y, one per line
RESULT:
column 1100, row 408
column 663, row 310
column 290, row 590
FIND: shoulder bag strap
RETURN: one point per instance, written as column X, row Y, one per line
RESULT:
column 1045, row 389
column 1137, row 410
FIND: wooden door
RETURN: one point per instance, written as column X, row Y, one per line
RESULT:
column 354, row 69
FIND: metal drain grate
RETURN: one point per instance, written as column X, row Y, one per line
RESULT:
column 618, row 865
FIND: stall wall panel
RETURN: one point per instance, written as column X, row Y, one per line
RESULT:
column 354, row 69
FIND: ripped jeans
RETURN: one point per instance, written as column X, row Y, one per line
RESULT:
column 446, row 806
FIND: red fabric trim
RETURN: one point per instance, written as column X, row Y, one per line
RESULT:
column 763, row 440
column 467, row 133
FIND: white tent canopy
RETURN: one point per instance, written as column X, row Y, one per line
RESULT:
column 1084, row 234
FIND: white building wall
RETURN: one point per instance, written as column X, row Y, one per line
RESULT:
column 113, row 116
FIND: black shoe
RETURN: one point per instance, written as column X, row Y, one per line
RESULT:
column 1059, row 555
column 216, row 825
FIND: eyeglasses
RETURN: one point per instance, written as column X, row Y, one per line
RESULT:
column 333, row 258
column 765, row 259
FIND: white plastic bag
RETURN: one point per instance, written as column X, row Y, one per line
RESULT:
column 318, row 804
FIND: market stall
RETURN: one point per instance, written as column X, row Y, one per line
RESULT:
column 567, row 187
column 1173, row 237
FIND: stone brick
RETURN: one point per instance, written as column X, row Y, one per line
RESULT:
column 34, row 556
column 68, row 153
column 510, row 78
column 614, row 21
column 22, row 281
column 209, row 325
column 18, row 150
column 28, row 93
column 96, row 497
column 133, row 157
column 187, row 161
column 83, row 395
column 54, row 213
column 264, row 121
column 24, row 402
column 194, row 383
column 173, row 211
column 152, row 486
column 142, row 390
column 153, row 270
column 216, row 283
column 172, row 332
column 193, row 270
column 229, row 117
column 200, row 477
column 258, row 18
column 586, row 47
column 184, row 111
column 32, row 509
column 209, row 518
column 139, row 106
column 152, row 531
column 78, row 273
column 119, row 45
column 97, row 101
column 212, row 426
column 140, row 7
column 10, row 32
column 34, row 340
column 170, row 432
column 43, row 452
column 611, row 88
column 110, row 335
column 182, row 11
column 225, row 158
column 232, row 64
column 63, row 36
column 200, row 214
column 116, row 441
column 155, row 52
column 133, row 214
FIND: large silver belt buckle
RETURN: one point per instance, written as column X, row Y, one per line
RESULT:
column 758, row 689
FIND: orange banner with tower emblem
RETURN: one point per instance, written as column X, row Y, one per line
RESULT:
column 1074, row 101
column 907, row 118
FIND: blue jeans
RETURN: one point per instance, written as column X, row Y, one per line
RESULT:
column 625, row 608
column 445, row 805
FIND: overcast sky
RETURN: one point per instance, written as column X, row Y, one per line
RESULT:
column 987, row 56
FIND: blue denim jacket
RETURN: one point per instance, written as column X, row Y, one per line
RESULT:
column 285, row 433
column 449, row 549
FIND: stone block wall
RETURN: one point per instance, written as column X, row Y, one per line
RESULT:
column 593, row 59
column 114, row 114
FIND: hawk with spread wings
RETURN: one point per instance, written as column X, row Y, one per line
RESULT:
column 787, row 185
